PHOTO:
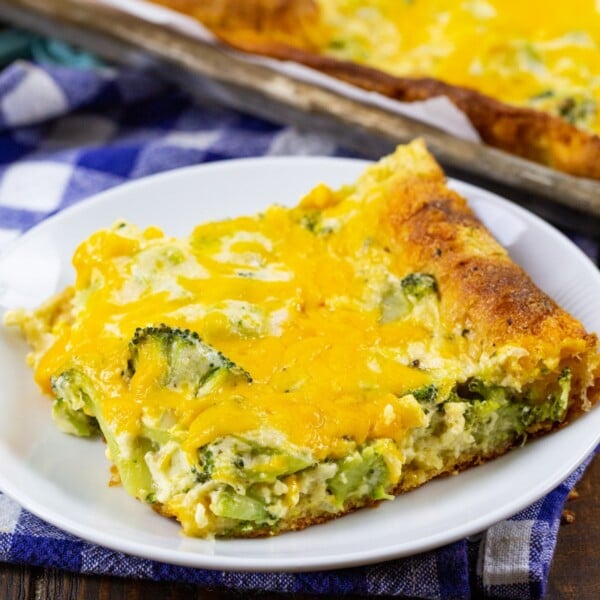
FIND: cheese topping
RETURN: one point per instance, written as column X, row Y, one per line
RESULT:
column 536, row 53
column 297, row 298
column 333, row 329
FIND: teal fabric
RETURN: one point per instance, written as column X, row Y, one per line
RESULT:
column 18, row 44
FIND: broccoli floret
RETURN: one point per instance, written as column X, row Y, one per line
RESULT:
column 426, row 394
column 418, row 285
column 73, row 407
column 577, row 111
column 187, row 362
column 361, row 474
column 555, row 407
column 226, row 503
column 241, row 461
column 207, row 463
column 314, row 222
column 77, row 398
column 401, row 296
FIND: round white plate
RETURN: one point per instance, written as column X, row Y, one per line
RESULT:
column 64, row 479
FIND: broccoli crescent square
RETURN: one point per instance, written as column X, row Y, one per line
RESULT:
column 275, row 371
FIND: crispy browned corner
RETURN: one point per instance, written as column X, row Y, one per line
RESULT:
column 437, row 232
column 285, row 30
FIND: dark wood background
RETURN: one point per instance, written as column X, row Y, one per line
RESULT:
column 574, row 574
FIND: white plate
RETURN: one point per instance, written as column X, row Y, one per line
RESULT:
column 64, row 479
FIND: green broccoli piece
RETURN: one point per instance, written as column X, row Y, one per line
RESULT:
column 495, row 405
column 401, row 296
column 313, row 222
column 245, row 461
column 556, row 404
column 227, row 503
column 189, row 363
column 77, row 398
column 418, row 285
column 72, row 410
column 203, row 472
column 426, row 394
column 577, row 111
column 363, row 474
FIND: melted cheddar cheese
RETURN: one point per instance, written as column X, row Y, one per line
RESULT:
column 540, row 54
column 292, row 296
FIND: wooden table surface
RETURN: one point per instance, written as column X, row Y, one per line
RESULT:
column 575, row 571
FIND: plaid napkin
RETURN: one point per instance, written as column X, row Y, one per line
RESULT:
column 69, row 132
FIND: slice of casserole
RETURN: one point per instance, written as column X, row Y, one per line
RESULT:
column 275, row 371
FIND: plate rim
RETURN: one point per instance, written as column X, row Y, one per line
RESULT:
column 282, row 564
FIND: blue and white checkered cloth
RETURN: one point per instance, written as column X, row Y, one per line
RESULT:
column 68, row 133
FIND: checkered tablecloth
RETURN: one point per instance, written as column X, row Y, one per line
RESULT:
column 67, row 133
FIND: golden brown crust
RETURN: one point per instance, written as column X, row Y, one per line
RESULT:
column 287, row 31
column 281, row 22
column 526, row 132
column 484, row 291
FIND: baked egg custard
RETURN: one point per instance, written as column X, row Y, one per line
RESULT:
column 273, row 371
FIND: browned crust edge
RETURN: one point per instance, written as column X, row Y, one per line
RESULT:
column 434, row 230
column 525, row 132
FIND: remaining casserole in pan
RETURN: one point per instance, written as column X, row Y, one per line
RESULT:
column 525, row 73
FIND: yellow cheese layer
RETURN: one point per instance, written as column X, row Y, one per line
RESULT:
column 537, row 53
column 291, row 296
